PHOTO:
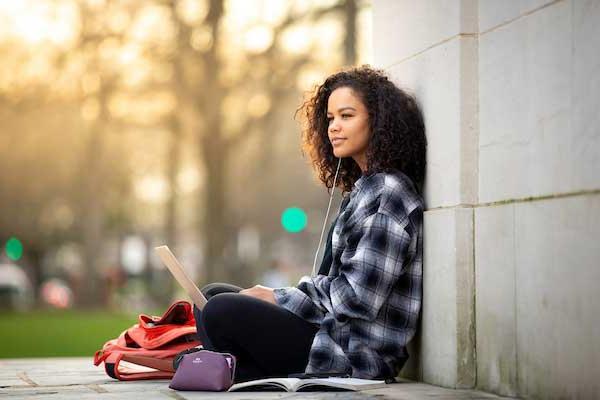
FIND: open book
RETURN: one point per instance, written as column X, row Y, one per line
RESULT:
column 307, row 385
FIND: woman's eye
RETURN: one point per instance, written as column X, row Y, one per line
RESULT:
column 343, row 116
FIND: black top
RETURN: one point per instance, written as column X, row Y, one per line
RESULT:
column 327, row 256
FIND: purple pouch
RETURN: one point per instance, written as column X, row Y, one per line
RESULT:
column 204, row 370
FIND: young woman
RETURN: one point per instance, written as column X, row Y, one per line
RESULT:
column 356, row 316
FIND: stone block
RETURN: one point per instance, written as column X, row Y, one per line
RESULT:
column 539, row 95
column 557, row 260
column 404, row 28
column 493, row 12
column 444, row 80
column 447, row 338
column 586, row 93
column 495, row 299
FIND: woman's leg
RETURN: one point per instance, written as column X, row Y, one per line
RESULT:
column 267, row 339
column 209, row 291
column 213, row 289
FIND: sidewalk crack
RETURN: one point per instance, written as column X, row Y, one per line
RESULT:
column 96, row 388
column 23, row 376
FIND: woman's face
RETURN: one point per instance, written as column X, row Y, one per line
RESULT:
column 348, row 129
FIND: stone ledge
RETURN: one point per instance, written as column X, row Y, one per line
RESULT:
column 77, row 378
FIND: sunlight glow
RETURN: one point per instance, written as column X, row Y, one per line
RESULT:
column 152, row 189
column 151, row 25
column 327, row 32
column 201, row 38
column 296, row 39
column 258, row 38
column 192, row 12
column 147, row 109
column 36, row 23
column 129, row 54
column 259, row 105
column 188, row 179
column 274, row 11
column 308, row 77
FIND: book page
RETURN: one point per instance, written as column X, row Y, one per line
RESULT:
column 340, row 383
column 269, row 384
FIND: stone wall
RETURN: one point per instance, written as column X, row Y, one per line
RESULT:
column 511, row 96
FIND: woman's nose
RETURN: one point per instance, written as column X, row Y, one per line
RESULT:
column 334, row 126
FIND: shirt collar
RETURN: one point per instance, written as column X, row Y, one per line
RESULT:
column 361, row 181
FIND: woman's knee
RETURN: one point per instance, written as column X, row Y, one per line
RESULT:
column 213, row 289
column 210, row 290
column 218, row 310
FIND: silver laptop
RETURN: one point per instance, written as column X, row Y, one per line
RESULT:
column 181, row 277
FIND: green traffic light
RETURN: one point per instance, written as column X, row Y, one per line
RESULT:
column 293, row 219
column 14, row 249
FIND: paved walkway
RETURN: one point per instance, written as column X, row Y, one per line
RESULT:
column 77, row 378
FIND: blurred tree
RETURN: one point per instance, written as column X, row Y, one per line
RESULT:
column 91, row 120
column 64, row 177
column 97, row 45
column 36, row 205
column 350, row 23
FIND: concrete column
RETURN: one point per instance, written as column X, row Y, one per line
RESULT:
column 538, row 221
column 430, row 48
column 511, row 96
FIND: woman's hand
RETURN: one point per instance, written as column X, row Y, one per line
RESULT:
column 260, row 292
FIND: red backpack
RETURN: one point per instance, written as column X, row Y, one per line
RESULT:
column 149, row 347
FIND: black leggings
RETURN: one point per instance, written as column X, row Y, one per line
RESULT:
column 266, row 339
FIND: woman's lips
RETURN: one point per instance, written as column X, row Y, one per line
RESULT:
column 337, row 141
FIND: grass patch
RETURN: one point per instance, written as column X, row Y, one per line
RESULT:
column 51, row 333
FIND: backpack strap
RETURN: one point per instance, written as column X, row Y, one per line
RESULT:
column 161, row 364
column 124, row 373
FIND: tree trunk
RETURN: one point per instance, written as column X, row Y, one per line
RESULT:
column 173, row 161
column 351, row 13
column 92, row 207
column 214, row 152
column 215, row 210
column 91, row 221
column 167, row 287
column 35, row 273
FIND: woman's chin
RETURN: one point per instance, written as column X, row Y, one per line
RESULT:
column 339, row 153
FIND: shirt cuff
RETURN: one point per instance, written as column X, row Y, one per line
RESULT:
column 284, row 295
column 280, row 295
column 290, row 298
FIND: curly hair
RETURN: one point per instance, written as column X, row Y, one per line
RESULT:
column 398, row 139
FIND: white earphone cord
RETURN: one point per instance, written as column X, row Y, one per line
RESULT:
column 326, row 217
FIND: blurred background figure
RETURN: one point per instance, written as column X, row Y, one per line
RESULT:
column 15, row 288
column 276, row 276
column 56, row 293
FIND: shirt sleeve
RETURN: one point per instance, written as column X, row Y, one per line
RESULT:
column 305, row 299
column 371, row 263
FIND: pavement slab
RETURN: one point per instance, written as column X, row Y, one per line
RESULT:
column 79, row 379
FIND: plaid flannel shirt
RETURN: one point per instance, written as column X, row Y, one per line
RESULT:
column 368, row 305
